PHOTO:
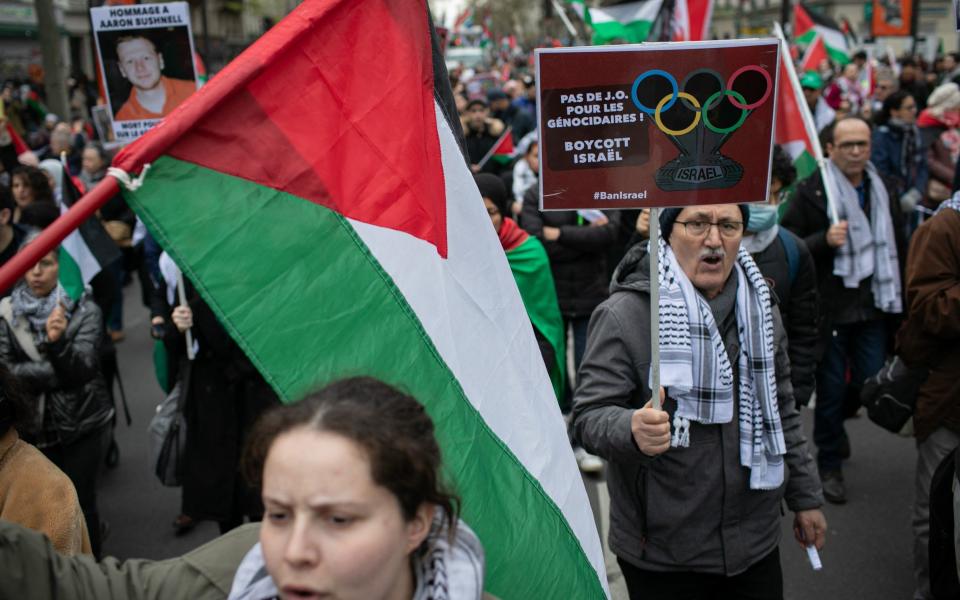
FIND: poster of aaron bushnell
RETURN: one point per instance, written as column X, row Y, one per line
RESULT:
column 146, row 57
column 662, row 124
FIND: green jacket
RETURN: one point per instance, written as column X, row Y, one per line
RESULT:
column 33, row 569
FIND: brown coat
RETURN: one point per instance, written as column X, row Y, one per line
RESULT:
column 931, row 334
column 36, row 494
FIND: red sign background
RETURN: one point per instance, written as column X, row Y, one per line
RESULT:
column 628, row 176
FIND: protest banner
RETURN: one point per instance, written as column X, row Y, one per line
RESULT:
column 666, row 124
column 892, row 18
column 146, row 60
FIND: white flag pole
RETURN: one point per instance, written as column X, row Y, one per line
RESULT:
column 654, row 230
column 563, row 17
column 809, row 125
column 183, row 302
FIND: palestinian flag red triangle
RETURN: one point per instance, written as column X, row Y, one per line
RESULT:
column 258, row 118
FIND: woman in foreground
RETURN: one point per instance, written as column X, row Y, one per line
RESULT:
column 354, row 504
column 355, row 509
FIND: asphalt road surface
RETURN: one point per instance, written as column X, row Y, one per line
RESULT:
column 867, row 556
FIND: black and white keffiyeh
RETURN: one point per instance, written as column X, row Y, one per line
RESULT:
column 444, row 570
column 871, row 248
column 36, row 310
column 696, row 370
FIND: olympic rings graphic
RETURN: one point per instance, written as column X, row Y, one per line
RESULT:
column 651, row 73
column 766, row 94
column 668, row 98
column 725, row 89
column 733, row 96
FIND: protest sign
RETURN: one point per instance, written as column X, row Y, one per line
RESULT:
column 892, row 18
column 667, row 124
column 146, row 60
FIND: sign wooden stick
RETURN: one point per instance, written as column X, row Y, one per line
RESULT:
column 181, row 291
column 655, row 308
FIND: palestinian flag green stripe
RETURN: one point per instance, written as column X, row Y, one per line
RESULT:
column 307, row 300
column 71, row 276
column 531, row 270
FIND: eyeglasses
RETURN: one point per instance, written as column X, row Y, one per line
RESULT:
column 850, row 146
column 728, row 229
column 493, row 212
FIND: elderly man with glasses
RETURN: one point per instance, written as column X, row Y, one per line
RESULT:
column 859, row 263
column 696, row 488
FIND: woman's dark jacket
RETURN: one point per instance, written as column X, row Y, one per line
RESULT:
column 225, row 396
column 578, row 259
column 69, row 379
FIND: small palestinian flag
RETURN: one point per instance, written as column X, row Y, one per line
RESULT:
column 814, row 55
column 502, row 151
column 338, row 231
column 86, row 251
column 630, row 22
column 807, row 23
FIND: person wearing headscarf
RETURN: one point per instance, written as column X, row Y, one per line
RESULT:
column 531, row 270
column 51, row 344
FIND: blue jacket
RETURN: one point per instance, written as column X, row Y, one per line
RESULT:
column 888, row 154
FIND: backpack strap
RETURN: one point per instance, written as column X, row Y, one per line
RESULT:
column 793, row 253
column 20, row 332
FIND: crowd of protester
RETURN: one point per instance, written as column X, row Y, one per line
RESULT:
column 890, row 132
column 849, row 292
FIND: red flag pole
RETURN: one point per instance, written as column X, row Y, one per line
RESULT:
column 51, row 237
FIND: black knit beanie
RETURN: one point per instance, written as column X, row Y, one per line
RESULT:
column 669, row 215
column 493, row 188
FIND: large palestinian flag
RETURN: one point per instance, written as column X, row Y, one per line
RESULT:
column 316, row 194
column 807, row 23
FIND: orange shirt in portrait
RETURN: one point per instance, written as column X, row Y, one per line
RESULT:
column 177, row 91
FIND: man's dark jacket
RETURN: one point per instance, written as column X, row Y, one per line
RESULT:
column 807, row 217
column 688, row 509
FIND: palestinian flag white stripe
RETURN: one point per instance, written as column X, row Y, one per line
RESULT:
column 467, row 318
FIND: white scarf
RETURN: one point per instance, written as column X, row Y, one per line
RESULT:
column 443, row 570
column 696, row 370
column 871, row 248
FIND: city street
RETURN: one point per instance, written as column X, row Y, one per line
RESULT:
column 868, row 552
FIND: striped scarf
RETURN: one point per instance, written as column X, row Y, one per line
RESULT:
column 871, row 249
column 695, row 368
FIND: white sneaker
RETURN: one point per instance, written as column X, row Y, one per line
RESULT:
column 587, row 462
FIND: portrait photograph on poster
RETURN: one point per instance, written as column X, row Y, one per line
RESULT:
column 146, row 56
column 649, row 125
column 892, row 18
